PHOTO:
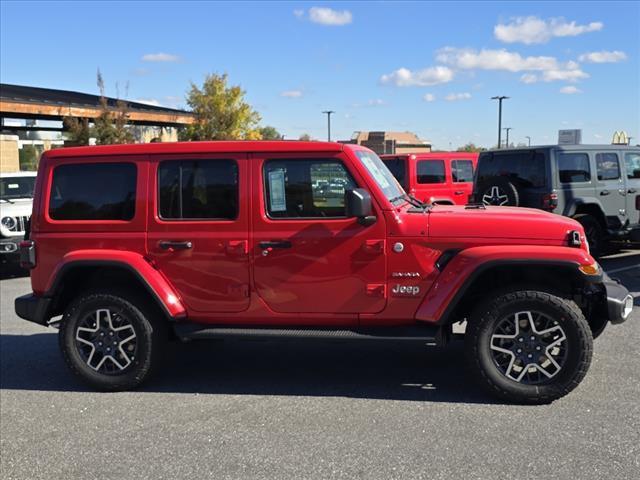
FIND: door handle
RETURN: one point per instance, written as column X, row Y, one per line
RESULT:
column 175, row 245
column 604, row 192
column 275, row 244
column 458, row 193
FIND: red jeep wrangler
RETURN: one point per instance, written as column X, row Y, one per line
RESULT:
column 134, row 245
column 445, row 178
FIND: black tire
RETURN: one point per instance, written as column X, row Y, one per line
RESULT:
column 498, row 191
column 594, row 233
column 148, row 344
column 484, row 361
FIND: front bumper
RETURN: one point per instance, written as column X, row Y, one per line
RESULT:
column 33, row 308
column 619, row 300
column 10, row 248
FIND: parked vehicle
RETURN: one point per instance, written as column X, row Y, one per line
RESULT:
column 136, row 244
column 598, row 185
column 445, row 178
column 16, row 197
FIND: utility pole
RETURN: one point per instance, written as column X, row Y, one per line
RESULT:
column 328, row 114
column 507, row 130
column 529, row 139
column 500, row 98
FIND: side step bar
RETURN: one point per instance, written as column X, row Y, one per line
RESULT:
column 425, row 334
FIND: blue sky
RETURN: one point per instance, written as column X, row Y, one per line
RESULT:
column 429, row 68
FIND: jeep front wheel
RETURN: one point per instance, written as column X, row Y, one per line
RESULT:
column 109, row 342
column 529, row 346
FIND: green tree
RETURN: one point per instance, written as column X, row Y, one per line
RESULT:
column 221, row 112
column 305, row 137
column 471, row 147
column 111, row 125
column 78, row 130
column 29, row 157
column 270, row 133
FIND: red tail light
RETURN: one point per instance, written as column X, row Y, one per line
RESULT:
column 550, row 201
column 28, row 254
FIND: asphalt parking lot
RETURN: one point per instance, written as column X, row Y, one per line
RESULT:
column 274, row 410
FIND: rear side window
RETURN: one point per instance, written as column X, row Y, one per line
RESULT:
column 525, row 168
column 309, row 188
column 462, row 170
column 607, row 166
column 398, row 166
column 632, row 164
column 198, row 190
column 574, row 167
column 430, row 171
column 93, row 191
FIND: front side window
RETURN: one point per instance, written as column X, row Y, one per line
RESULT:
column 431, row 171
column 398, row 167
column 381, row 175
column 306, row 188
column 198, row 190
column 462, row 171
column 93, row 191
column 607, row 166
column 574, row 167
column 632, row 164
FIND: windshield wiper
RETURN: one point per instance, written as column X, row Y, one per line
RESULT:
column 411, row 200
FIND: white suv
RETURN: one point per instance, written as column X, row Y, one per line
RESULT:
column 16, row 200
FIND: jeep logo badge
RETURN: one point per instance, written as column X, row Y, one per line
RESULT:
column 411, row 290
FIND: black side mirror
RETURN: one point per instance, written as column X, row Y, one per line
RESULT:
column 357, row 203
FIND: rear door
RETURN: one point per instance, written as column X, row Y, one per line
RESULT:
column 199, row 229
column 309, row 257
column 632, row 170
column 433, row 180
column 462, row 180
column 610, row 188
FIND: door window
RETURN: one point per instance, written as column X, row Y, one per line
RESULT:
column 632, row 164
column 431, row 171
column 462, row 170
column 607, row 166
column 398, row 167
column 306, row 188
column 574, row 167
column 198, row 190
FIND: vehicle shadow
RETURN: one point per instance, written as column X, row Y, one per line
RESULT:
column 8, row 270
column 350, row 369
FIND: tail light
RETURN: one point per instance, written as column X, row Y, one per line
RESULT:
column 550, row 201
column 28, row 254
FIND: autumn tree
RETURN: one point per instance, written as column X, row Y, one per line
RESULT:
column 221, row 113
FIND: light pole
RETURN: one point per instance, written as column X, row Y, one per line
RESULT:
column 328, row 114
column 500, row 98
column 529, row 139
column 507, row 130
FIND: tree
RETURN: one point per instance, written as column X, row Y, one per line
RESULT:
column 270, row 133
column 305, row 137
column 78, row 130
column 29, row 157
column 221, row 112
column 470, row 147
column 111, row 126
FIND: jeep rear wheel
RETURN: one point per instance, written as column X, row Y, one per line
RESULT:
column 109, row 342
column 529, row 346
column 593, row 232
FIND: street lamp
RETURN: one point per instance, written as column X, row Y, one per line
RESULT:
column 529, row 139
column 500, row 98
column 507, row 130
column 328, row 114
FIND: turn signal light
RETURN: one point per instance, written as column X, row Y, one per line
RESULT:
column 550, row 201
column 592, row 269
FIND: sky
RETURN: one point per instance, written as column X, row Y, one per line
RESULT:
column 428, row 68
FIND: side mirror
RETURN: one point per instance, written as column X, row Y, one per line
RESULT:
column 357, row 203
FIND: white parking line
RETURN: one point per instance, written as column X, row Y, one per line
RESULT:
column 616, row 270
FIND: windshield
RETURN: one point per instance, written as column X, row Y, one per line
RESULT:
column 381, row 174
column 16, row 187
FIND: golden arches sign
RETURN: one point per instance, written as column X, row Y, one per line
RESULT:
column 620, row 138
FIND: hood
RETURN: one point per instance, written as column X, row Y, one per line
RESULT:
column 499, row 222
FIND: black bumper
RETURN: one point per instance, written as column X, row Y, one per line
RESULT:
column 10, row 249
column 33, row 308
column 619, row 300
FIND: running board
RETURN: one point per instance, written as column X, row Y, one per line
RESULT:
column 424, row 334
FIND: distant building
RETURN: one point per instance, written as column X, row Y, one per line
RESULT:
column 391, row 142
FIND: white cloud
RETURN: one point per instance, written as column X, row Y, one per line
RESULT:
column 603, row 56
column 403, row 77
column 327, row 16
column 570, row 90
column 454, row 97
column 376, row 102
column 566, row 75
column 429, row 97
column 467, row 59
column 531, row 30
column 291, row 94
column 529, row 78
column 298, row 13
column 160, row 57
column 148, row 101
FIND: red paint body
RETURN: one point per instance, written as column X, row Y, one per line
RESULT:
column 337, row 272
column 448, row 191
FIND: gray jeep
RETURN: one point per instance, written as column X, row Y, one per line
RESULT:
column 598, row 185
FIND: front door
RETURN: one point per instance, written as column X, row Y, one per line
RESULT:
column 198, row 231
column 309, row 257
column 610, row 188
column 632, row 170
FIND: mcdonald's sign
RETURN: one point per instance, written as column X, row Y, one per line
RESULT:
column 620, row 138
